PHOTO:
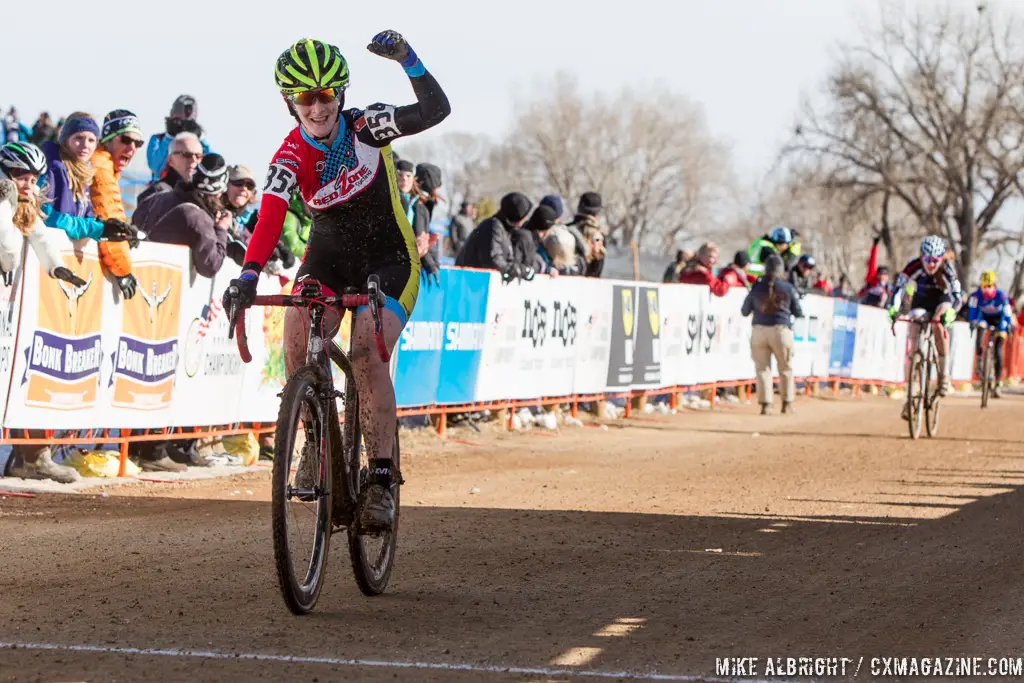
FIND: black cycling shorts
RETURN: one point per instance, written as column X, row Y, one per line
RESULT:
column 931, row 300
column 339, row 261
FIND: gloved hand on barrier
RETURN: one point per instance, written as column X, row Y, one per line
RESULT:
column 65, row 274
column 128, row 285
column 894, row 311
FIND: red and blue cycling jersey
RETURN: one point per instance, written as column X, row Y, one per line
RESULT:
column 993, row 308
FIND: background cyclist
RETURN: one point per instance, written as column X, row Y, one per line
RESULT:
column 341, row 162
column 937, row 294
column 989, row 307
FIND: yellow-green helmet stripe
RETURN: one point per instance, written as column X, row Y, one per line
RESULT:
column 326, row 80
column 301, row 77
column 296, row 57
column 314, row 63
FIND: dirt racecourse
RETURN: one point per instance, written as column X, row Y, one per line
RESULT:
column 638, row 552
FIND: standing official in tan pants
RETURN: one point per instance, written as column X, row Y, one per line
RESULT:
column 774, row 303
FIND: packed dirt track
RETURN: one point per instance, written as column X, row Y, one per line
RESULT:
column 638, row 552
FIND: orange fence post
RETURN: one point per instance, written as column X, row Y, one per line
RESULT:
column 511, row 415
column 442, row 423
column 123, row 463
column 574, row 411
column 673, row 400
column 629, row 406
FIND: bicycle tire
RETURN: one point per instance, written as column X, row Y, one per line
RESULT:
column 301, row 390
column 986, row 380
column 371, row 576
column 915, row 391
column 932, row 401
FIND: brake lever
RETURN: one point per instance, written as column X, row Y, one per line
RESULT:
column 232, row 310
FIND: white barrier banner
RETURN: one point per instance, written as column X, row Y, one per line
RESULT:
column 593, row 337
column 530, row 349
column 63, row 355
column 682, row 320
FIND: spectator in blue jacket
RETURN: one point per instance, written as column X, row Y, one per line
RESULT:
column 774, row 303
column 182, row 120
column 67, row 183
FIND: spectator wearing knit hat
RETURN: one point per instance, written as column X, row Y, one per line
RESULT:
column 418, row 215
column 489, row 246
column 735, row 274
column 527, row 240
column 586, row 227
column 120, row 139
column 181, row 120
column 197, row 220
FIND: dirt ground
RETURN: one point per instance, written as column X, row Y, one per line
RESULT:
column 638, row 552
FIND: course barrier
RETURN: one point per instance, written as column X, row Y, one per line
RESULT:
column 161, row 365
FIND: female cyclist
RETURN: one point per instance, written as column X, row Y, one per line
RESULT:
column 936, row 294
column 341, row 162
column 989, row 307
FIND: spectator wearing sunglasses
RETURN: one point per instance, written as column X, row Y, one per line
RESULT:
column 240, row 198
column 120, row 139
column 68, row 178
column 196, row 217
column 182, row 120
column 186, row 153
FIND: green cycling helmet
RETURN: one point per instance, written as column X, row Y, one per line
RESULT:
column 310, row 65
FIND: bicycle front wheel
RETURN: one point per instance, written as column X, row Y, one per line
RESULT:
column 931, row 401
column 301, row 495
column 373, row 556
column 917, row 385
column 986, row 378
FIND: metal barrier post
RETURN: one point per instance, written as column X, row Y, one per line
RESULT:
column 122, row 465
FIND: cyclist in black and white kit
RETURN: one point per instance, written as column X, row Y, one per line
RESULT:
column 937, row 296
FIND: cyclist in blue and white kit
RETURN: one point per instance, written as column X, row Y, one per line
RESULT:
column 937, row 296
column 989, row 308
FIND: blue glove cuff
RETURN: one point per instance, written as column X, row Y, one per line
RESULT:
column 410, row 59
column 416, row 70
column 248, row 275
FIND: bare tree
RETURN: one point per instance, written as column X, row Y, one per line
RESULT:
column 661, row 173
column 926, row 112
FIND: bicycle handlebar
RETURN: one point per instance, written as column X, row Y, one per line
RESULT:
column 374, row 300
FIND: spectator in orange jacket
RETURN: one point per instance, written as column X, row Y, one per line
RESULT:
column 120, row 139
column 735, row 274
column 699, row 270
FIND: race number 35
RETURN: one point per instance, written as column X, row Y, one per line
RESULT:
column 280, row 182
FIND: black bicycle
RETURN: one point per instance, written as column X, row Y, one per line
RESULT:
column 988, row 363
column 320, row 470
column 922, row 394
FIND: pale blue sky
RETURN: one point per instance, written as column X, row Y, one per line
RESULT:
column 746, row 60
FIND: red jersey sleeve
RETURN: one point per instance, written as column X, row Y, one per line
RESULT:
column 282, row 179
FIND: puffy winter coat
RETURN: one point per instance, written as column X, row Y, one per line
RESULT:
column 105, row 194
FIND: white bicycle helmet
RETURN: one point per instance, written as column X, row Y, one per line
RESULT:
column 24, row 156
column 781, row 235
column 933, row 247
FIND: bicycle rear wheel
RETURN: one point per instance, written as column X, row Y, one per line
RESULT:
column 301, row 515
column 986, row 378
column 372, row 556
column 932, row 401
column 916, row 386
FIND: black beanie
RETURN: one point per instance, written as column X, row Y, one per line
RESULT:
column 404, row 166
column 590, row 204
column 515, row 206
column 429, row 177
column 543, row 218
column 741, row 259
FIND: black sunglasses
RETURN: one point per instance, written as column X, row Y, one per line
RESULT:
column 129, row 140
column 246, row 183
